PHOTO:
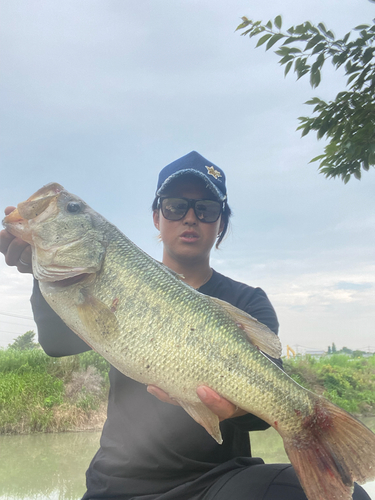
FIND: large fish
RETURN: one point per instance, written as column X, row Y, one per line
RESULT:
column 157, row 330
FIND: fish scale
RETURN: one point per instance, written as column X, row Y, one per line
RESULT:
column 157, row 330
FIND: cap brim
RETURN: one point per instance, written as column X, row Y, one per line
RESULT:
column 211, row 186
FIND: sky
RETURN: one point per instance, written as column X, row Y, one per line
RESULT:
column 99, row 95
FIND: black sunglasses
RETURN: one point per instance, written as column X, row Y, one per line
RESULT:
column 177, row 208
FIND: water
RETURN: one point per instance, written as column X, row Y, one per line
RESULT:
column 52, row 466
column 45, row 466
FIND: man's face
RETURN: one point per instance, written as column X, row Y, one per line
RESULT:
column 187, row 240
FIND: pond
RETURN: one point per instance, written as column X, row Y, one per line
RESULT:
column 52, row 466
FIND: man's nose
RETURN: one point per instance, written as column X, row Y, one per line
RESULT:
column 190, row 217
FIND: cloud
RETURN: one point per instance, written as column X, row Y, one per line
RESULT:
column 99, row 96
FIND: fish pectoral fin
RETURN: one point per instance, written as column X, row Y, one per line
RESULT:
column 203, row 416
column 98, row 318
column 258, row 333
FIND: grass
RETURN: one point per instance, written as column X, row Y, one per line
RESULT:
column 43, row 394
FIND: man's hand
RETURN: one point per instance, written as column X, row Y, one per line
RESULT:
column 217, row 404
column 17, row 252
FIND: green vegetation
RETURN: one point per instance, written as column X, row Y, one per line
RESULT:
column 348, row 121
column 25, row 341
column 43, row 394
column 347, row 381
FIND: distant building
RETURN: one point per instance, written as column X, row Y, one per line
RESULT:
column 315, row 353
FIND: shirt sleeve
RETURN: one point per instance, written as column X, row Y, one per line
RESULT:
column 54, row 336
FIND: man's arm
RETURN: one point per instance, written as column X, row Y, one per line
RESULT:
column 53, row 334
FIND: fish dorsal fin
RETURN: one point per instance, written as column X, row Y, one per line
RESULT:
column 258, row 333
column 203, row 416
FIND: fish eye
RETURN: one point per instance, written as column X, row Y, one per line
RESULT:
column 73, row 207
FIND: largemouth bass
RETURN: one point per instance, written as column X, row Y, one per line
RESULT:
column 157, row 330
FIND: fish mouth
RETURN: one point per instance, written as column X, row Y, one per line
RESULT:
column 41, row 202
column 17, row 222
column 35, row 205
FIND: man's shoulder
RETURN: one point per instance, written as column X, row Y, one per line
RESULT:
column 230, row 290
column 252, row 300
column 221, row 284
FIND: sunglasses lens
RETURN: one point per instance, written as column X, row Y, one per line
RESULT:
column 177, row 208
column 174, row 208
column 207, row 210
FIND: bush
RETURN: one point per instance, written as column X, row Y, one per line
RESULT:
column 347, row 381
column 39, row 393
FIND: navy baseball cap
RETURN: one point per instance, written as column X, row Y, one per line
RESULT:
column 196, row 164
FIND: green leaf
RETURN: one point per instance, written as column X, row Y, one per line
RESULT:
column 317, row 158
column 287, row 67
column 351, row 78
column 361, row 27
column 287, row 50
column 290, row 40
column 283, row 51
column 367, row 55
column 278, row 22
column 301, row 29
column 323, row 29
column 286, row 59
column 318, row 63
column 311, row 43
column 315, row 79
column 274, row 40
column 245, row 23
column 314, row 100
column 263, row 39
column 305, row 130
column 319, row 48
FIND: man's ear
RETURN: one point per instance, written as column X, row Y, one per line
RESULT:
column 155, row 216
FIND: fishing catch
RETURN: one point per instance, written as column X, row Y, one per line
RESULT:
column 157, row 330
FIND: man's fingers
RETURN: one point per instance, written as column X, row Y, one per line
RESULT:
column 9, row 209
column 163, row 396
column 220, row 406
column 16, row 251
column 5, row 240
column 24, row 262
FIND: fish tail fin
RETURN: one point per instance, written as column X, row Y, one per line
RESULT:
column 332, row 450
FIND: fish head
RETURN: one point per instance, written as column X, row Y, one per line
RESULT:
column 67, row 237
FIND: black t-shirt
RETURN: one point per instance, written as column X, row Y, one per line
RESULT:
column 149, row 447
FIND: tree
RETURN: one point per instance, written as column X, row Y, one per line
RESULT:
column 24, row 342
column 348, row 121
column 334, row 350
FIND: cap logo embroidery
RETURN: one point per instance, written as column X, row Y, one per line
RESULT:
column 213, row 172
